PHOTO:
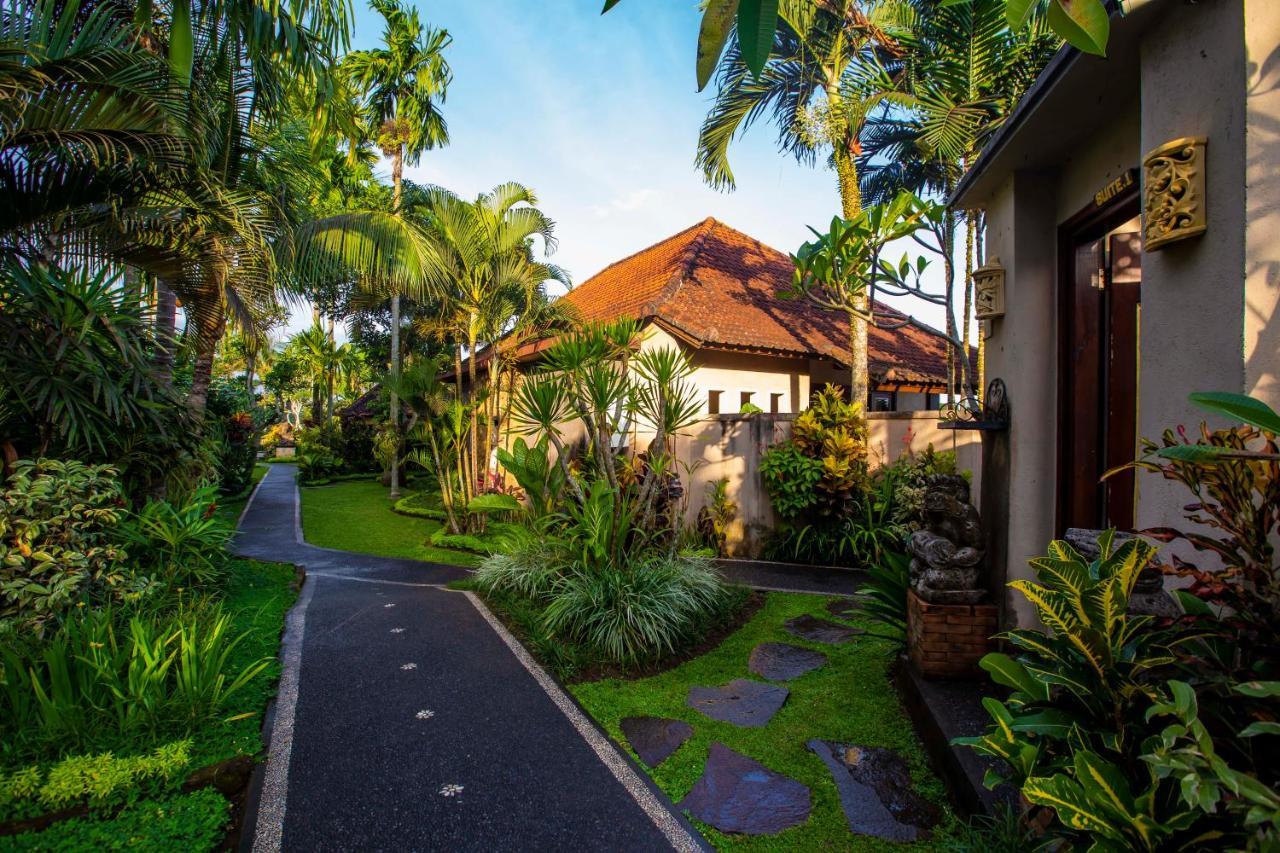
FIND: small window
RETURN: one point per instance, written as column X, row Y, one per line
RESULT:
column 775, row 404
column 744, row 399
column 713, row 402
column 882, row 401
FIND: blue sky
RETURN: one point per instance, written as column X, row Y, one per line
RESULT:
column 600, row 115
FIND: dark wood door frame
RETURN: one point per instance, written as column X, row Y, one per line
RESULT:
column 1092, row 223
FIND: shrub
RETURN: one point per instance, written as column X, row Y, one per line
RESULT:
column 277, row 435
column 97, row 778
column 528, row 565
column 639, row 613
column 716, row 515
column 318, row 467
column 183, row 544
column 55, row 539
column 791, row 479
column 910, row 475
column 90, row 683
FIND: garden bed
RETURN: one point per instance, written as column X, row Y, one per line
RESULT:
column 173, row 811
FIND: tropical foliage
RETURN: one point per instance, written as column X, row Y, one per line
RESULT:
column 606, row 560
column 1141, row 735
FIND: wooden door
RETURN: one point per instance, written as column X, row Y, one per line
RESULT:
column 1099, row 306
column 1123, row 306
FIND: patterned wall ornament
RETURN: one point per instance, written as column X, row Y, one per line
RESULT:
column 988, row 287
column 1173, row 198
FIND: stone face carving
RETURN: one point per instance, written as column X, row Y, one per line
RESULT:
column 1173, row 193
column 946, row 556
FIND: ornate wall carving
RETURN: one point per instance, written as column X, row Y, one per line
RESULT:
column 1173, row 200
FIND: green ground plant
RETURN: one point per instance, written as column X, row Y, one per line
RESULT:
column 1143, row 736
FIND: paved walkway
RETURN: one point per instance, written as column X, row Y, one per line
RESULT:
column 408, row 719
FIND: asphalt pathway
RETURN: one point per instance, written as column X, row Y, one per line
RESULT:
column 408, row 719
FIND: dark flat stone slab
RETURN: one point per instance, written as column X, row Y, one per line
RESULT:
column 844, row 608
column 738, row 794
column 783, row 662
column 744, row 703
column 817, row 630
column 875, row 791
column 655, row 738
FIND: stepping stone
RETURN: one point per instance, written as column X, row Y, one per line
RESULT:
column 821, row 630
column 655, row 738
column 737, row 794
column 844, row 608
column 744, row 703
column 875, row 791
column 782, row 661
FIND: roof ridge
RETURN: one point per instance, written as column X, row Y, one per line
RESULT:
column 684, row 267
column 639, row 252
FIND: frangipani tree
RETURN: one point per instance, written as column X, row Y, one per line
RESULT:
column 843, row 268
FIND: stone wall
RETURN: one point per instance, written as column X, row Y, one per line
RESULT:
column 731, row 446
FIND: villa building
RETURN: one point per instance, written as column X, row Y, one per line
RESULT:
column 713, row 291
column 1133, row 227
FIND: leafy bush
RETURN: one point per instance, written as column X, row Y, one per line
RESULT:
column 1076, row 732
column 910, row 474
column 640, row 612
column 537, row 474
column 318, row 467
column 277, row 435
column 716, row 515
column 94, row 778
column 91, row 682
column 56, row 547
column 791, row 478
column 183, row 545
column 885, row 595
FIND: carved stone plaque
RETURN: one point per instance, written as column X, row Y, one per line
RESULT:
column 1173, row 200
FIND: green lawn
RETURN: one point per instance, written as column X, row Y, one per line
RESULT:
column 849, row 700
column 357, row 516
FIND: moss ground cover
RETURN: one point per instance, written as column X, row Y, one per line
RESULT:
column 357, row 516
column 849, row 700
column 156, row 814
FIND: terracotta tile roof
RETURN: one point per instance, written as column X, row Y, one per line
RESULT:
column 715, row 287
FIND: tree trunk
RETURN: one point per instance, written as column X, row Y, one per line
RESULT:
column 166, row 332
column 476, row 462
column 851, row 206
column 209, row 329
column 397, row 174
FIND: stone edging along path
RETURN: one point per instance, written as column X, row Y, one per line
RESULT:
column 407, row 717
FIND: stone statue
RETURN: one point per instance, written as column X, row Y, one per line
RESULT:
column 946, row 556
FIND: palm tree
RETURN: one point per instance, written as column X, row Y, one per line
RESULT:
column 832, row 63
column 489, row 272
column 964, row 69
column 403, row 85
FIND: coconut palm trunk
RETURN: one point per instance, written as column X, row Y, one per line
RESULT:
column 166, row 331
column 397, row 174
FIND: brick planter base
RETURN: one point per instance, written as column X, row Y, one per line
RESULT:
column 948, row 640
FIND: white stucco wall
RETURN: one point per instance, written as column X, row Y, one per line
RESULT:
column 1209, row 304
